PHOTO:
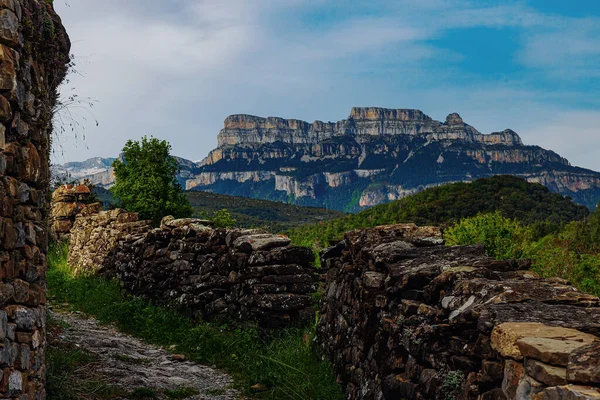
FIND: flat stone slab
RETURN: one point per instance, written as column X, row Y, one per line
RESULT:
column 263, row 241
column 584, row 364
column 550, row 351
column 569, row 392
column 548, row 374
column 504, row 337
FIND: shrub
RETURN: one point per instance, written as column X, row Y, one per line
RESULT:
column 503, row 238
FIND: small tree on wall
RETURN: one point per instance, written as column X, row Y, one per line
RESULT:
column 146, row 180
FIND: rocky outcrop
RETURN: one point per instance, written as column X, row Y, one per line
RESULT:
column 34, row 52
column 403, row 316
column 317, row 163
column 94, row 238
column 67, row 202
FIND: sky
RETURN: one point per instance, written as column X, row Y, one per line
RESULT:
column 176, row 69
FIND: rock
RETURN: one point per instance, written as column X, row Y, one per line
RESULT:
column 584, row 364
column 528, row 387
column 569, row 392
column 514, row 372
column 9, row 28
column 547, row 374
column 374, row 279
column 391, row 311
column 504, row 337
column 550, row 351
column 258, row 242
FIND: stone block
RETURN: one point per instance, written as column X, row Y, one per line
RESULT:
column 547, row 374
column 584, row 364
column 504, row 337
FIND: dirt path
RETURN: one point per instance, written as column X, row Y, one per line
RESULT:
column 129, row 363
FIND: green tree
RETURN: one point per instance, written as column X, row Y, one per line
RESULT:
column 146, row 180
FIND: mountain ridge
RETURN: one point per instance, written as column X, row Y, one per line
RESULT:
column 374, row 156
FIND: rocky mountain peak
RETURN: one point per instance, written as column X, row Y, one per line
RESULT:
column 454, row 119
column 377, row 114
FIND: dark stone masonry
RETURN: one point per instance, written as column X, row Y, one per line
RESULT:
column 224, row 275
column 404, row 317
column 34, row 53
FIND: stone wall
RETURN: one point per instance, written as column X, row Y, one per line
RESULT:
column 33, row 56
column 225, row 275
column 403, row 317
column 95, row 236
column 67, row 202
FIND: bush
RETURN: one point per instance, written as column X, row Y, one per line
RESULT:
column 503, row 238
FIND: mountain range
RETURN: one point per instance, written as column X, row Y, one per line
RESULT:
column 374, row 156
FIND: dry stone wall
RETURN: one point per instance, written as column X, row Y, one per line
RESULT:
column 67, row 202
column 224, row 275
column 95, row 236
column 404, row 317
column 34, row 52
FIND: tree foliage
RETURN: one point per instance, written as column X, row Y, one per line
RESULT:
column 146, row 180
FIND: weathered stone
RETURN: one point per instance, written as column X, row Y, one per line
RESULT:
column 260, row 242
column 569, row 392
column 514, row 372
column 505, row 337
column 9, row 28
column 374, row 279
column 584, row 364
column 550, row 351
column 528, row 387
column 447, row 309
column 548, row 374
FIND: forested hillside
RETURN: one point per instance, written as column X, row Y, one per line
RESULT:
column 532, row 204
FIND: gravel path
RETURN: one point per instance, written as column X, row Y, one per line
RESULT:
column 130, row 363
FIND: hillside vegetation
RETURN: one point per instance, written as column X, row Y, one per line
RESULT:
column 514, row 198
column 253, row 213
column 572, row 254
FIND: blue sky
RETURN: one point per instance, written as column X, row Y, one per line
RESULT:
column 176, row 69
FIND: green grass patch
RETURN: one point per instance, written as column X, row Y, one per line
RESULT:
column 143, row 393
column 285, row 363
column 185, row 392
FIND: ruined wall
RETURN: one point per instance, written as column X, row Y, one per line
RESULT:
column 33, row 56
column 225, row 275
column 67, row 202
column 95, row 236
column 404, row 317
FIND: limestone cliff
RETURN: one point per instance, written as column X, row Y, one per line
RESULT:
column 374, row 156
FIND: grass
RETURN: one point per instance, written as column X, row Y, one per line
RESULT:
column 285, row 364
column 185, row 392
